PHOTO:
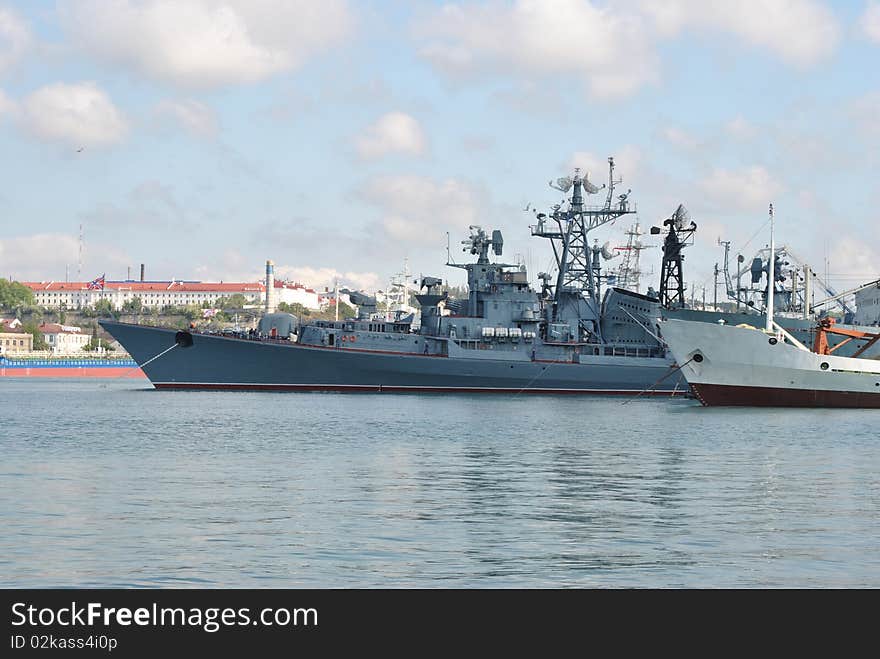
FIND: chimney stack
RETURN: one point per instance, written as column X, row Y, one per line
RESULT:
column 142, row 271
column 270, row 287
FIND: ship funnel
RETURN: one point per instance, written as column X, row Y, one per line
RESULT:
column 270, row 287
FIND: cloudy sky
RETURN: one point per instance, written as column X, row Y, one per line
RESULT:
column 202, row 137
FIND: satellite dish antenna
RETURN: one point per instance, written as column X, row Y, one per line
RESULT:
column 589, row 187
column 608, row 252
column 681, row 216
column 562, row 184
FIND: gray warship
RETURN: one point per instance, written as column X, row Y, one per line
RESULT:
column 573, row 336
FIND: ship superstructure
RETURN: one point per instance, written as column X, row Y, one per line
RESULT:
column 569, row 337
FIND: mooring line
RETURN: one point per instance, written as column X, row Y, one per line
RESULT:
column 674, row 369
column 148, row 361
column 543, row 371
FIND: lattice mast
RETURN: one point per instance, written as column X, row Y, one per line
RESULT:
column 679, row 235
column 568, row 229
column 629, row 272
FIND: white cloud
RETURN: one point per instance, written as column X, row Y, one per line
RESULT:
column 740, row 129
column 865, row 111
column 612, row 47
column 233, row 265
column 208, row 43
column 607, row 48
column 627, row 161
column 747, row 189
column 855, row 257
column 45, row 256
column 320, row 278
column 79, row 114
column 15, row 38
column 680, row 138
column 418, row 210
column 801, row 32
column 195, row 117
column 870, row 21
column 395, row 132
column 7, row 105
column 228, row 265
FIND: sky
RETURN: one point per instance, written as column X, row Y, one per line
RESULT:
column 202, row 137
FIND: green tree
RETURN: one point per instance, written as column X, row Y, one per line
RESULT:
column 192, row 312
column 34, row 330
column 236, row 301
column 95, row 343
column 295, row 308
column 104, row 309
column 345, row 311
column 134, row 305
column 14, row 294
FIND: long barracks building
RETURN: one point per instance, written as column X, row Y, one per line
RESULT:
column 152, row 294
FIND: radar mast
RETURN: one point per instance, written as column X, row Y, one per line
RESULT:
column 568, row 230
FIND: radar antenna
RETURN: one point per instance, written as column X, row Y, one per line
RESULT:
column 679, row 235
column 568, row 229
column 479, row 243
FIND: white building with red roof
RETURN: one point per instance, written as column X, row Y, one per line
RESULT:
column 64, row 339
column 77, row 295
column 13, row 339
column 153, row 294
column 294, row 293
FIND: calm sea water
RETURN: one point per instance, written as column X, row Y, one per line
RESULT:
column 114, row 484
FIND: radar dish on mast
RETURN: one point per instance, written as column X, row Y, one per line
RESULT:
column 562, row 184
column 589, row 187
column 680, row 216
column 608, row 252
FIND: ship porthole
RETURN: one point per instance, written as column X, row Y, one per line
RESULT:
column 698, row 358
column 774, row 341
column 824, row 366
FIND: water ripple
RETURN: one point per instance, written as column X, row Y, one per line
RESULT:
column 111, row 484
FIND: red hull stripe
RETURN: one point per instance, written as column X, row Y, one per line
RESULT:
column 367, row 388
column 71, row 372
column 726, row 395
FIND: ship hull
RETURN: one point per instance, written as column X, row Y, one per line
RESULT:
column 803, row 329
column 733, row 395
column 221, row 363
column 728, row 366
